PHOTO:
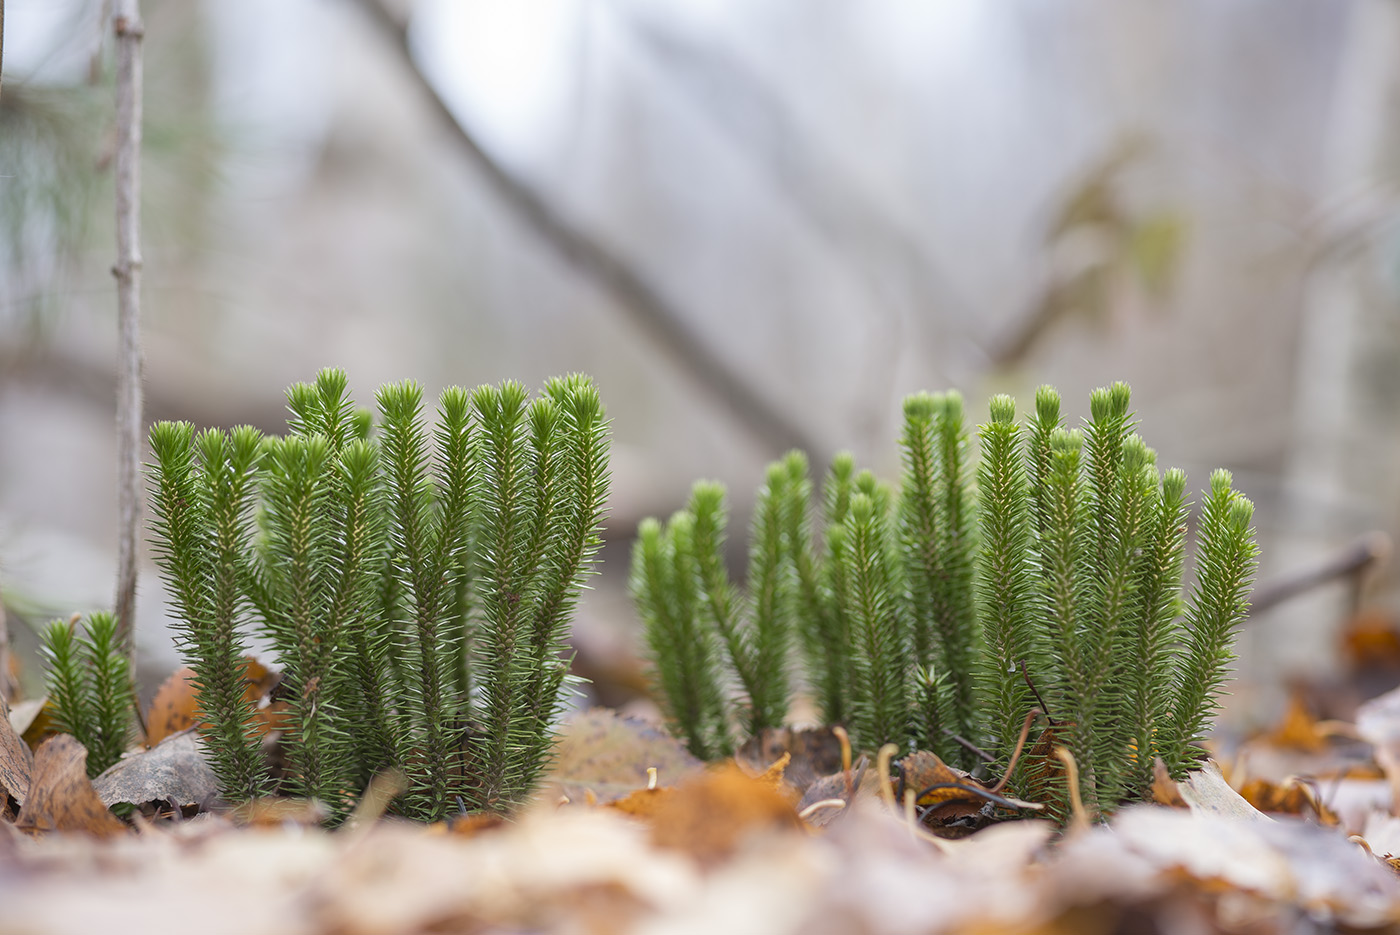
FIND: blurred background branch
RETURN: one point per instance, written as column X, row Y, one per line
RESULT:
column 763, row 418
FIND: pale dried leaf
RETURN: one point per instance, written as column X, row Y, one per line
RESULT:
column 173, row 771
column 1206, row 792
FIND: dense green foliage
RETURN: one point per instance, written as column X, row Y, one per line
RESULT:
column 91, row 692
column 946, row 613
column 416, row 586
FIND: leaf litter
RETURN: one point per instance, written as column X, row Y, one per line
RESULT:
column 736, row 847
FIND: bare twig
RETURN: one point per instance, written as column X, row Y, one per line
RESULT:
column 1351, row 563
column 634, row 294
column 126, row 25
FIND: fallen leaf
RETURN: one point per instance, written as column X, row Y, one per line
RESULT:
column 1164, row 789
column 278, row 811
column 1378, row 723
column 16, row 762
column 711, row 814
column 174, row 770
column 859, row 784
column 641, row 803
column 815, row 752
column 24, row 713
column 1298, row 730
column 60, row 796
column 1206, row 792
column 949, row 796
column 1290, row 797
column 175, row 706
column 1291, row 862
column 607, row 754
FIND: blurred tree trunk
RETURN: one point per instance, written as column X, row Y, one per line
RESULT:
column 1343, row 472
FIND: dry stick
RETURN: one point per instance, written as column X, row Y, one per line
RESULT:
column 636, row 296
column 126, row 25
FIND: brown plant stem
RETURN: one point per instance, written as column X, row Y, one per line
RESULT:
column 126, row 26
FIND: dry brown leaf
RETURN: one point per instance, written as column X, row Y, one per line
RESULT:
column 1290, row 797
column 708, row 816
column 641, row 803
column 776, row 774
column 175, row 706
column 16, row 762
column 604, row 753
column 60, row 796
column 1164, row 788
column 1298, row 730
column 173, row 771
column 818, row 804
column 277, row 812
column 815, row 752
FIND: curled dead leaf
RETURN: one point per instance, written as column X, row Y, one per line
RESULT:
column 60, row 796
column 173, row 771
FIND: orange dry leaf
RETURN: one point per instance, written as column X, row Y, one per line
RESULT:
column 60, row 796
column 173, row 708
column 642, row 803
column 176, row 704
column 1164, row 789
column 1298, row 730
column 1290, row 797
column 709, row 816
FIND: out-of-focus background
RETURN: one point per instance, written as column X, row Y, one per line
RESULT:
column 758, row 223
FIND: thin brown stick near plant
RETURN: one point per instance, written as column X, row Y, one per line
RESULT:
column 127, row 27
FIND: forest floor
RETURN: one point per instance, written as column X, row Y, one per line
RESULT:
column 784, row 840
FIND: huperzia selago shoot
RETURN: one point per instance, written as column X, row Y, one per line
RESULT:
column 91, row 693
column 414, row 583
column 940, row 615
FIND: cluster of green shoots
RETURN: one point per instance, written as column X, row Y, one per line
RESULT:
column 941, row 614
column 90, row 688
column 415, row 584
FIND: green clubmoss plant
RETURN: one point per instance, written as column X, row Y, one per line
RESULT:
column 91, row 692
column 415, row 583
column 940, row 617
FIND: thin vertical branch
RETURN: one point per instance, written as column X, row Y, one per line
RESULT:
column 126, row 26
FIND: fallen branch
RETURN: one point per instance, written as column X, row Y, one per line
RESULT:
column 1351, row 563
